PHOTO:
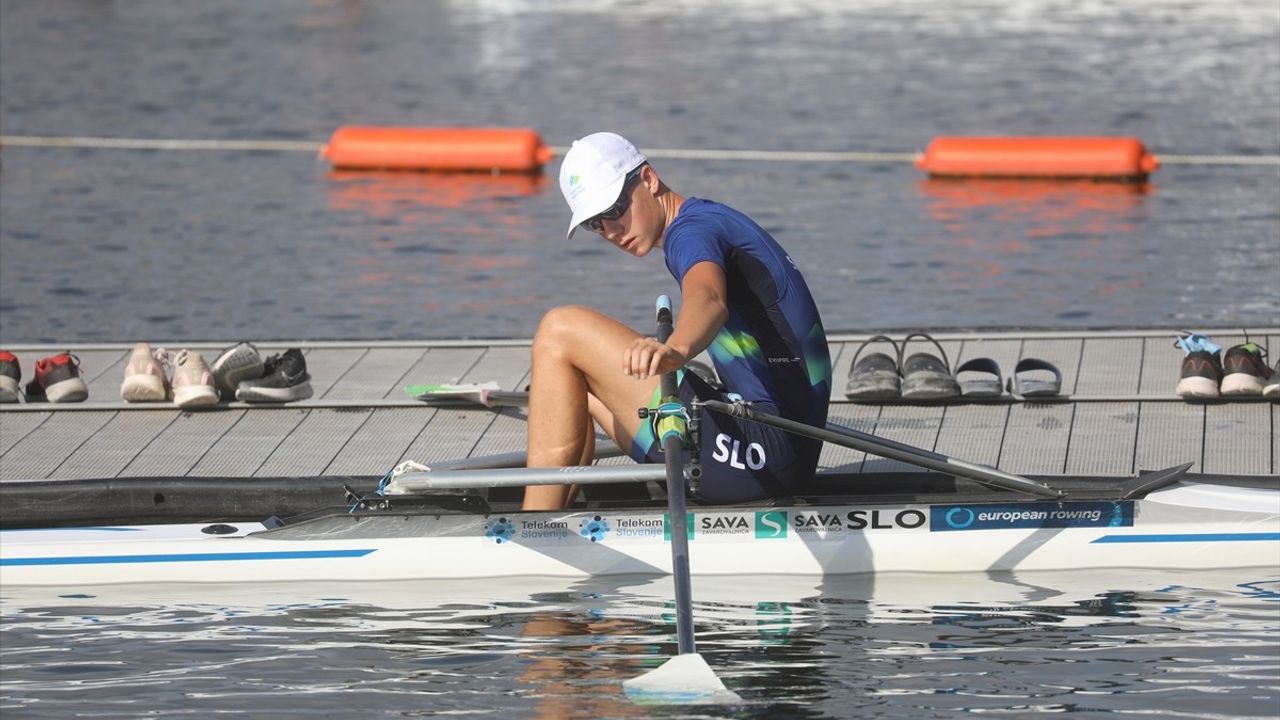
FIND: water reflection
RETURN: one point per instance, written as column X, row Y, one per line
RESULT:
column 900, row 646
column 410, row 197
column 1041, row 208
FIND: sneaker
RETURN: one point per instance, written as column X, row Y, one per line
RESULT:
column 192, row 381
column 286, row 379
column 237, row 363
column 57, row 380
column 1272, row 390
column 1201, row 368
column 144, row 376
column 1244, row 370
column 10, row 376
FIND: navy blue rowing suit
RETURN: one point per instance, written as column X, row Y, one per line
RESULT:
column 771, row 351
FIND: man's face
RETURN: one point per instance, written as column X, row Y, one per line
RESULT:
column 637, row 229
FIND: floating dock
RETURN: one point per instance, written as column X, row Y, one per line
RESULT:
column 1119, row 414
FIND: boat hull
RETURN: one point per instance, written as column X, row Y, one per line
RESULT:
column 1188, row 526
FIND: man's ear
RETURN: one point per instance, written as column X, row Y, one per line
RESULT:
column 650, row 178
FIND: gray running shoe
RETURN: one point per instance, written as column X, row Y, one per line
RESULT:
column 236, row 364
column 286, row 380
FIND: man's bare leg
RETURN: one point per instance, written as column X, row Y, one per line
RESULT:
column 577, row 357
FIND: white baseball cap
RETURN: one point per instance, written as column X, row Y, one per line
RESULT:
column 593, row 172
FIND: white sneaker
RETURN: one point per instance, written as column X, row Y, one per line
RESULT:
column 192, row 381
column 144, row 376
column 1272, row 390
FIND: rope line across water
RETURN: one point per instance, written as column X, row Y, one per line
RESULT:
column 102, row 143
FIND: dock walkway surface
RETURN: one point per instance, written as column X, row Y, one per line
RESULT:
column 1120, row 417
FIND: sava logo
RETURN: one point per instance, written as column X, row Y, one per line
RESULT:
column 817, row 522
column 724, row 525
column 771, row 524
column 725, row 452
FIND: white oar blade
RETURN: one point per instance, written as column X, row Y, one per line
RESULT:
column 682, row 680
column 453, row 395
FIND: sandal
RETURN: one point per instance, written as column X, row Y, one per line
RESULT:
column 1024, row 384
column 924, row 376
column 875, row 377
column 982, row 378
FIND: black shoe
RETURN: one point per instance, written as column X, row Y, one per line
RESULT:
column 10, row 376
column 1244, row 372
column 285, row 379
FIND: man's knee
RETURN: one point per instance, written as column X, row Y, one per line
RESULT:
column 560, row 327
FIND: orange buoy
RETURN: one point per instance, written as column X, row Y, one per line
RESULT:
column 392, row 148
column 1118, row 158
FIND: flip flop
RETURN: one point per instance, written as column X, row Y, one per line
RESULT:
column 1025, row 384
column 875, row 377
column 983, row 379
column 924, row 376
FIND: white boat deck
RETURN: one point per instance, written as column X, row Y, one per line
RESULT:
column 1121, row 416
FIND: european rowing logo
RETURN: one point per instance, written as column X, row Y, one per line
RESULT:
column 1030, row 515
column 499, row 530
column 595, row 528
column 771, row 524
column 960, row 517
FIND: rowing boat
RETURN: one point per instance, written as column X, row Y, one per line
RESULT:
column 1168, row 520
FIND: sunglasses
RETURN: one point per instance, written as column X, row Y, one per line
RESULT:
column 619, row 208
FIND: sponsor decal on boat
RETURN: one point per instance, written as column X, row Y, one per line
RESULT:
column 771, row 524
column 840, row 520
column 1031, row 515
column 498, row 530
column 666, row 526
column 594, row 528
column 539, row 529
column 737, row 524
column 650, row 526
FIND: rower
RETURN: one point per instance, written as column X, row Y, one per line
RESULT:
column 743, row 300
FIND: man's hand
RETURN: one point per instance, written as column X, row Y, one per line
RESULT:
column 647, row 357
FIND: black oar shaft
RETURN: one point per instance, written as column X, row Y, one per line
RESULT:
column 848, row 437
column 672, row 447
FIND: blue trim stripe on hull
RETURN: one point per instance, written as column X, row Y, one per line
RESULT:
column 1191, row 537
column 187, row 557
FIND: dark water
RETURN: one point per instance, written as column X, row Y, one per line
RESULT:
column 1202, row 645
column 112, row 245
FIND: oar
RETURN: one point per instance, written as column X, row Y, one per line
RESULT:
column 686, row 678
column 848, row 437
